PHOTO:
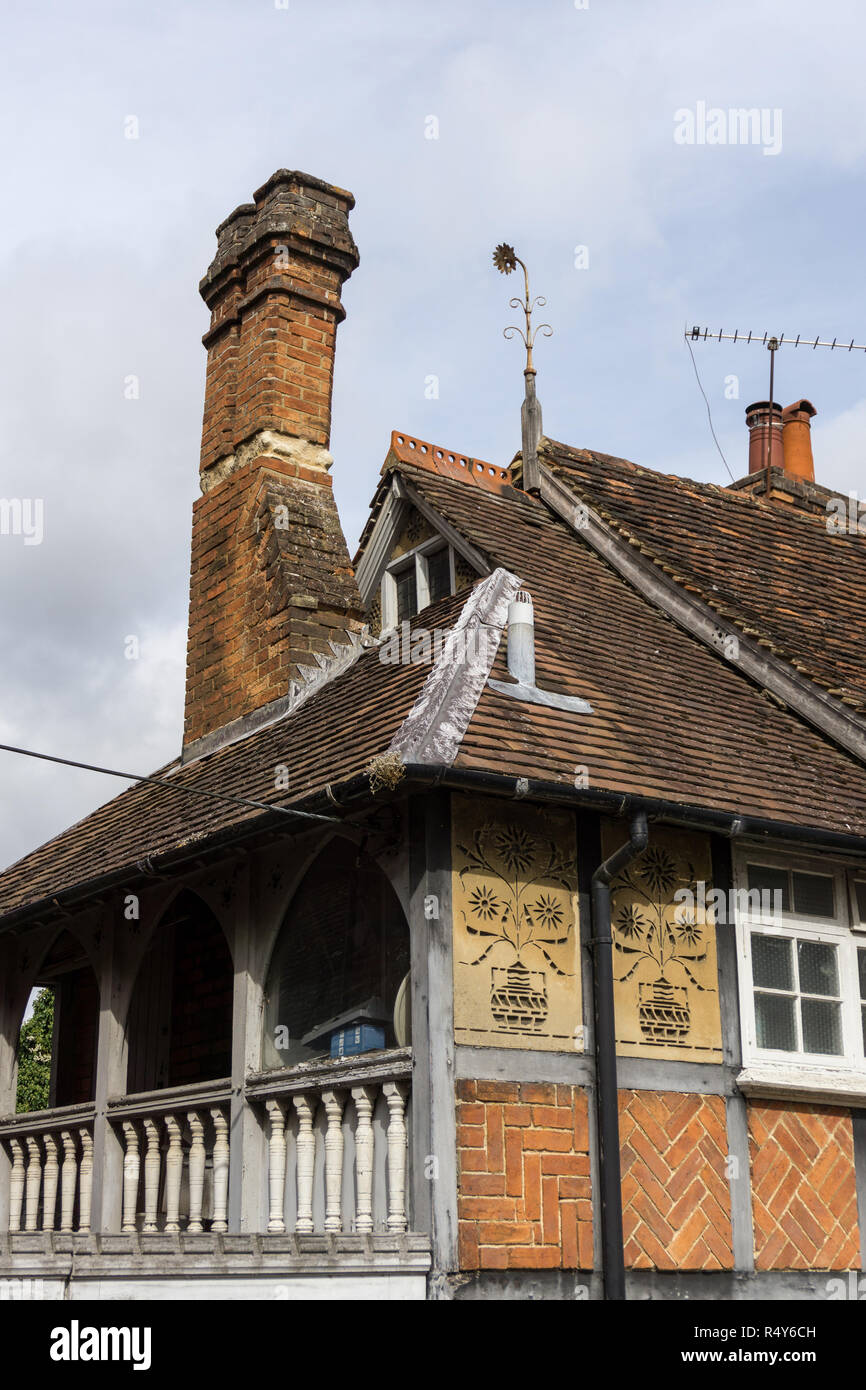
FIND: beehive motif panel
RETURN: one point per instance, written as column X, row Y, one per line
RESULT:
column 666, row 986
column 515, row 912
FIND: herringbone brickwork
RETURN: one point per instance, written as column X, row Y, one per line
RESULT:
column 524, row 1198
column 675, row 1194
column 804, row 1197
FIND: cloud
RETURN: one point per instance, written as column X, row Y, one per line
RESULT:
column 555, row 130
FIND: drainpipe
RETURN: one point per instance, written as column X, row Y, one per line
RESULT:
column 607, row 1097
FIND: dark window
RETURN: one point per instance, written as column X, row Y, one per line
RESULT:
column 765, row 879
column 439, row 574
column 813, row 895
column 407, row 593
column 180, row 1017
column 339, row 963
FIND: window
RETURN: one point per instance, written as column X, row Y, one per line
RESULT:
column 803, row 972
column 798, row 1006
column 338, row 976
column 415, row 580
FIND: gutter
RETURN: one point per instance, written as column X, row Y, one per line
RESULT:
column 607, row 1088
column 351, row 795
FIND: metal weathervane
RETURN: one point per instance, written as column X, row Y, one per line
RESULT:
column 506, row 260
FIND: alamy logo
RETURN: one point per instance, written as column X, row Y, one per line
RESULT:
column 738, row 125
column 23, row 516
column 727, row 908
column 76, row 1343
column 472, row 645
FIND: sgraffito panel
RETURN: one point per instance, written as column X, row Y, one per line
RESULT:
column 516, row 933
column 666, row 987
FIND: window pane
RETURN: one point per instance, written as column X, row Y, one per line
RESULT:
column 767, row 880
column 817, row 965
column 822, row 1026
column 860, row 892
column 863, row 1018
column 861, row 965
column 439, row 574
column 774, row 1020
column 407, row 594
column 771, row 961
column 813, row 895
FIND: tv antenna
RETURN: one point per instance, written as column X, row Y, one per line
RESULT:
column 772, row 344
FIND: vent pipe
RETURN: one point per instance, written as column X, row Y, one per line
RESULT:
column 521, row 639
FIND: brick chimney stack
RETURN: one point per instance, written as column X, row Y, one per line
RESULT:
column 271, row 582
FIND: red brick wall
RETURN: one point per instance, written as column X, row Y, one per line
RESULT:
column 524, row 1199
column 676, row 1198
column 804, row 1198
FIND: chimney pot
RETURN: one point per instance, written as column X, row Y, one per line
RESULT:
column 761, row 416
column 797, row 440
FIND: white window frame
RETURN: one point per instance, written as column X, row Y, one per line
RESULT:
column 417, row 557
column 793, row 926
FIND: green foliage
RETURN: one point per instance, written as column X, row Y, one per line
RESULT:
column 34, row 1055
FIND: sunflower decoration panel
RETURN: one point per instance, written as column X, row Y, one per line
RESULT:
column 666, row 986
column 516, row 928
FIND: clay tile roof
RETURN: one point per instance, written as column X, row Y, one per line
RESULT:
column 671, row 718
column 448, row 463
column 772, row 570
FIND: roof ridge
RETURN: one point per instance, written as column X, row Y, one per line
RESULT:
column 721, row 491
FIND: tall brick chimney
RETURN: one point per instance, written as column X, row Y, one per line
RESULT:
column 271, row 583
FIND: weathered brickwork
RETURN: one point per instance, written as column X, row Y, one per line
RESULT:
column 524, row 1196
column 804, row 1199
column 271, row 582
column 676, row 1199
column 271, row 585
column 273, row 290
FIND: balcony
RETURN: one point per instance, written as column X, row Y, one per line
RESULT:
column 334, row 1214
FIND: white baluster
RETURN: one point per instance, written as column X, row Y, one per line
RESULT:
column 306, row 1149
column 52, row 1174
column 196, row 1170
column 220, row 1171
column 333, row 1102
column 16, row 1184
column 68, row 1179
column 85, row 1184
column 173, row 1174
column 276, row 1166
column 395, row 1093
column 131, row 1177
column 34, row 1183
column 152, row 1166
column 365, row 1099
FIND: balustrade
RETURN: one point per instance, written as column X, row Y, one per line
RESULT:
column 51, row 1169
column 337, row 1144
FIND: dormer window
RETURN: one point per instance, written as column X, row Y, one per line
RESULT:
column 415, row 580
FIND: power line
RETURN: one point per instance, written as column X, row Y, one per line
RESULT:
column 171, row 786
column 707, row 404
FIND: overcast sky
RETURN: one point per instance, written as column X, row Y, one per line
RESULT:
column 556, row 131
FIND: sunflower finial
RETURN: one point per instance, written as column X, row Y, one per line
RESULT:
column 504, row 258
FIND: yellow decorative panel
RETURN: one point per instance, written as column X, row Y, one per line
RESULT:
column 666, row 984
column 516, row 931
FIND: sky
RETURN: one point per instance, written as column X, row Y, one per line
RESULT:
column 571, row 130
